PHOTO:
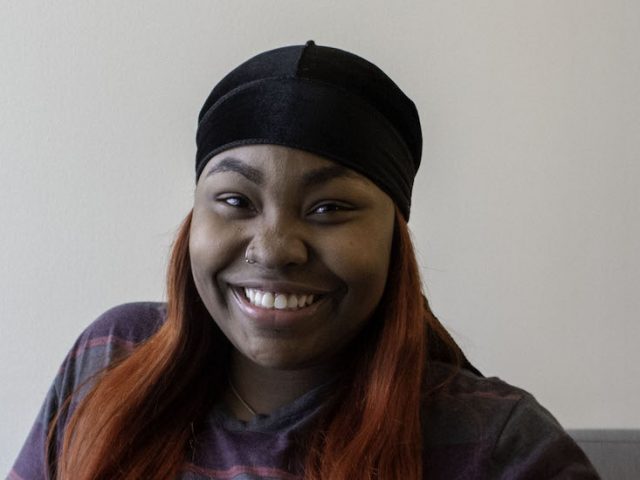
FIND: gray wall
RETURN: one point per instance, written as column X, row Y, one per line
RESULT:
column 526, row 210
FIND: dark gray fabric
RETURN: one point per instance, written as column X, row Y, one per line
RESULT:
column 474, row 428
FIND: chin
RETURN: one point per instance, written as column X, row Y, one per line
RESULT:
column 279, row 359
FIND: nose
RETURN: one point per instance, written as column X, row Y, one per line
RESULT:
column 277, row 245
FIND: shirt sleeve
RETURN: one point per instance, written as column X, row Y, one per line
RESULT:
column 33, row 462
column 111, row 336
column 86, row 358
column 533, row 445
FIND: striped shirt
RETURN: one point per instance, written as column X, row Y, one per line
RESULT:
column 475, row 428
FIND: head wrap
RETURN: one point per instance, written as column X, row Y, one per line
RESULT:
column 323, row 100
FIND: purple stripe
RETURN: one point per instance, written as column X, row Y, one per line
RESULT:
column 242, row 469
column 100, row 341
column 497, row 395
column 127, row 345
column 14, row 476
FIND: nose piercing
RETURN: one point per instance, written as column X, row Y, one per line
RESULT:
column 249, row 261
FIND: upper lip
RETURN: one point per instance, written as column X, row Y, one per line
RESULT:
column 281, row 286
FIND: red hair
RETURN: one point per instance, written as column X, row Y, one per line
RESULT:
column 136, row 422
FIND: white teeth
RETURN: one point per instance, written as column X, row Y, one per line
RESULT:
column 292, row 301
column 280, row 301
column 267, row 300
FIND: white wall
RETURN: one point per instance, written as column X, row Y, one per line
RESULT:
column 526, row 209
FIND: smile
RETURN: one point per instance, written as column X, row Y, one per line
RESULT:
column 278, row 300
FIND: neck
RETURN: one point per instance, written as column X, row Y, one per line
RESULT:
column 266, row 389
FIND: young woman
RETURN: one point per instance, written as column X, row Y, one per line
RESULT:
column 295, row 342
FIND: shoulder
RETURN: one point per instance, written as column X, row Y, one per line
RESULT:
column 110, row 337
column 462, row 407
column 127, row 323
column 500, row 430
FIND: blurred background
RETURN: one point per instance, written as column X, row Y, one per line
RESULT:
column 526, row 209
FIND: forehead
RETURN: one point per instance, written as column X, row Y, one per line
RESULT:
column 264, row 163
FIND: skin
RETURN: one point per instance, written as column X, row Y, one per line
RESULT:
column 331, row 237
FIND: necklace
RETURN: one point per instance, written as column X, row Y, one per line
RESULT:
column 242, row 401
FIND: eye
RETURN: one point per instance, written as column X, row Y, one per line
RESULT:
column 330, row 207
column 235, row 201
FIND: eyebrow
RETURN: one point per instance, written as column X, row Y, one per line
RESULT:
column 229, row 164
column 309, row 179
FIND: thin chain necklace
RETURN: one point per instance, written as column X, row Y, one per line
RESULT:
column 242, row 401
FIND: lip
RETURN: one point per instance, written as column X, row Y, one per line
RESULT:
column 272, row 317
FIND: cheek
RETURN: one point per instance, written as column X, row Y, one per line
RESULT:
column 211, row 247
column 363, row 265
column 370, row 276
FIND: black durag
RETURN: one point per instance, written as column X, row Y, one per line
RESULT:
column 322, row 100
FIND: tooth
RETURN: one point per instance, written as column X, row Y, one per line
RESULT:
column 309, row 299
column 292, row 301
column 280, row 301
column 301, row 300
column 267, row 300
column 257, row 298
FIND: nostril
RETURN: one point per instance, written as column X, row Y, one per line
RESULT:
column 277, row 250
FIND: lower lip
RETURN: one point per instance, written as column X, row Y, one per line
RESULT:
column 273, row 317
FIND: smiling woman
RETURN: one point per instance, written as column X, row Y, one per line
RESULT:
column 295, row 342
column 282, row 224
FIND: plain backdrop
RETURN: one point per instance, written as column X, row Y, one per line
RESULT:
column 526, row 209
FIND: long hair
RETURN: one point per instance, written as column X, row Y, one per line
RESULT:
column 136, row 422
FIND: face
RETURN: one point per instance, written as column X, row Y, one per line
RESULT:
column 318, row 239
